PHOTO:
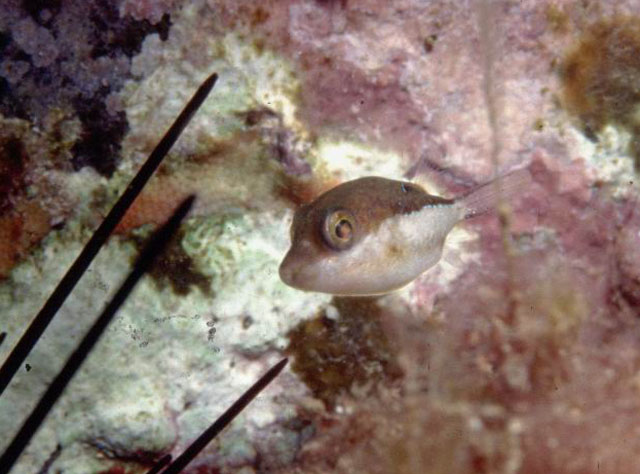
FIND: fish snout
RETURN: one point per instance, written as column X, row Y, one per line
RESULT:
column 291, row 270
column 297, row 267
column 287, row 272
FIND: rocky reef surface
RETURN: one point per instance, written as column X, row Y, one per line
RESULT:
column 518, row 353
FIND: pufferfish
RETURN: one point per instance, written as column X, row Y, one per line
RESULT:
column 374, row 235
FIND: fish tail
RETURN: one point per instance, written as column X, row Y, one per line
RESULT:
column 487, row 196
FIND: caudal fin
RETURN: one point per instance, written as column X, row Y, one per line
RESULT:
column 486, row 196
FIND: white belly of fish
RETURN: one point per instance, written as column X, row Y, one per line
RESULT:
column 403, row 247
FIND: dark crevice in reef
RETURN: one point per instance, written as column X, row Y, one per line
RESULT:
column 101, row 135
column 5, row 39
column 71, row 56
column 9, row 105
column 114, row 36
column 13, row 159
column 176, row 269
column 123, row 454
column 42, row 11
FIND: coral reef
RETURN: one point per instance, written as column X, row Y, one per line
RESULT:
column 343, row 350
column 61, row 66
column 517, row 353
column 71, row 57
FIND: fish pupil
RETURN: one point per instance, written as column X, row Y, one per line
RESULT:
column 343, row 229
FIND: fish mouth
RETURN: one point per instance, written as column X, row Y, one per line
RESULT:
column 287, row 273
column 299, row 267
column 290, row 271
column 297, row 272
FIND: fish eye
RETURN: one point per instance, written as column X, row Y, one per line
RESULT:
column 408, row 187
column 339, row 229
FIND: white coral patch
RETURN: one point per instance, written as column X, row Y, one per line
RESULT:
column 350, row 160
column 609, row 157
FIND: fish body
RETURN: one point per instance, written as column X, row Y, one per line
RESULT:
column 374, row 235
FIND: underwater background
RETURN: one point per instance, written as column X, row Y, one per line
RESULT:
column 519, row 352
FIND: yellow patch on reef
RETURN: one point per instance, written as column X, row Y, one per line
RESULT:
column 555, row 307
column 600, row 76
column 557, row 18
